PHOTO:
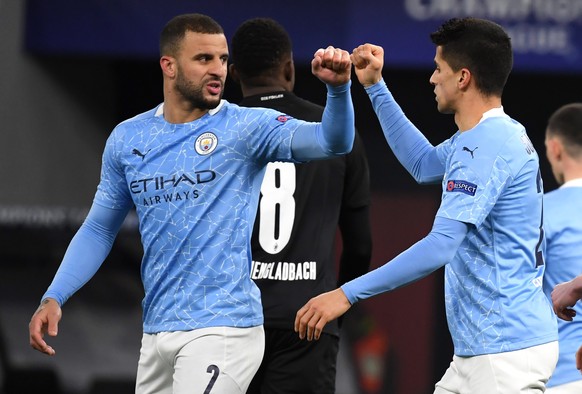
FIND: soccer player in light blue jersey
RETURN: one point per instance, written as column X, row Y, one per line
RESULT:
column 564, row 297
column 488, row 230
column 563, row 230
column 193, row 167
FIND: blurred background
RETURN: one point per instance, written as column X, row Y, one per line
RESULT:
column 71, row 70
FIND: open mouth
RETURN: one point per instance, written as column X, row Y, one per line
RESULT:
column 214, row 87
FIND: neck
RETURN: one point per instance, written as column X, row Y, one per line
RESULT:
column 472, row 109
column 177, row 115
column 573, row 170
column 178, row 110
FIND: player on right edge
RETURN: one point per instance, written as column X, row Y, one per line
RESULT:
column 563, row 229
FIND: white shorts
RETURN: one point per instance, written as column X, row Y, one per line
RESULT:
column 567, row 388
column 214, row 360
column 520, row 371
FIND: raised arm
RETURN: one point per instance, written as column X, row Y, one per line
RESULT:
column 413, row 150
column 335, row 135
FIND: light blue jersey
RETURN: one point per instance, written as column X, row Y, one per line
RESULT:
column 493, row 294
column 563, row 228
column 487, row 232
column 195, row 188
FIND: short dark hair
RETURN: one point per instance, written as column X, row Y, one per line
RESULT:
column 566, row 124
column 259, row 45
column 175, row 30
column 480, row 45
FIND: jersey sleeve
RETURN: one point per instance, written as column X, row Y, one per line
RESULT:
column 420, row 158
column 86, row 252
column 424, row 257
column 334, row 135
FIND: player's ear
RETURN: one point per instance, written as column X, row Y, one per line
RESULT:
column 168, row 65
column 558, row 147
column 464, row 78
column 232, row 71
column 554, row 148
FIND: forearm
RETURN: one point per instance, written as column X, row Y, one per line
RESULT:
column 334, row 135
column 409, row 145
column 421, row 259
column 86, row 252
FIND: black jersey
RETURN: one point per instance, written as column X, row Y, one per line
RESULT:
column 300, row 208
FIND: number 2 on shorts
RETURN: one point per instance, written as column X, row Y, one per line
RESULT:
column 214, row 370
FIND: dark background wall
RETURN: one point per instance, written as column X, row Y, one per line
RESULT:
column 57, row 109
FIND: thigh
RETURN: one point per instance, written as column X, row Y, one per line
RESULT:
column 521, row 371
column 154, row 374
column 450, row 383
column 298, row 366
column 217, row 360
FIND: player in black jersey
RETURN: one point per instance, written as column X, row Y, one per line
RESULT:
column 300, row 209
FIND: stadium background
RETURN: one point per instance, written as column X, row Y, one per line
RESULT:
column 71, row 70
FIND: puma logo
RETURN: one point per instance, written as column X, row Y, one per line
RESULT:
column 138, row 153
column 465, row 149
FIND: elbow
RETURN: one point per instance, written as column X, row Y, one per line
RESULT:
column 341, row 147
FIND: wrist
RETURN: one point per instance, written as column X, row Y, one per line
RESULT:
column 342, row 88
column 368, row 84
column 577, row 286
column 374, row 86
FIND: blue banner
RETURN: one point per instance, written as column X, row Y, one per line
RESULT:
column 546, row 34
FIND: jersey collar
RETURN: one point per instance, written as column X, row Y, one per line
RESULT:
column 492, row 113
column 573, row 183
column 213, row 111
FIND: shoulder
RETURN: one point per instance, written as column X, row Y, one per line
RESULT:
column 302, row 108
column 557, row 208
column 562, row 198
column 311, row 112
column 287, row 103
column 502, row 138
column 229, row 110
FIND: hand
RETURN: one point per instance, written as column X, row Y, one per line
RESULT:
column 45, row 320
column 368, row 60
column 564, row 297
column 579, row 359
column 318, row 311
column 332, row 66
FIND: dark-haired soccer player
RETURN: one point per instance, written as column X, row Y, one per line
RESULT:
column 193, row 167
column 299, row 211
column 488, row 230
column 563, row 230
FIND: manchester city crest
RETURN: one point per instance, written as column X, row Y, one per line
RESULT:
column 206, row 143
